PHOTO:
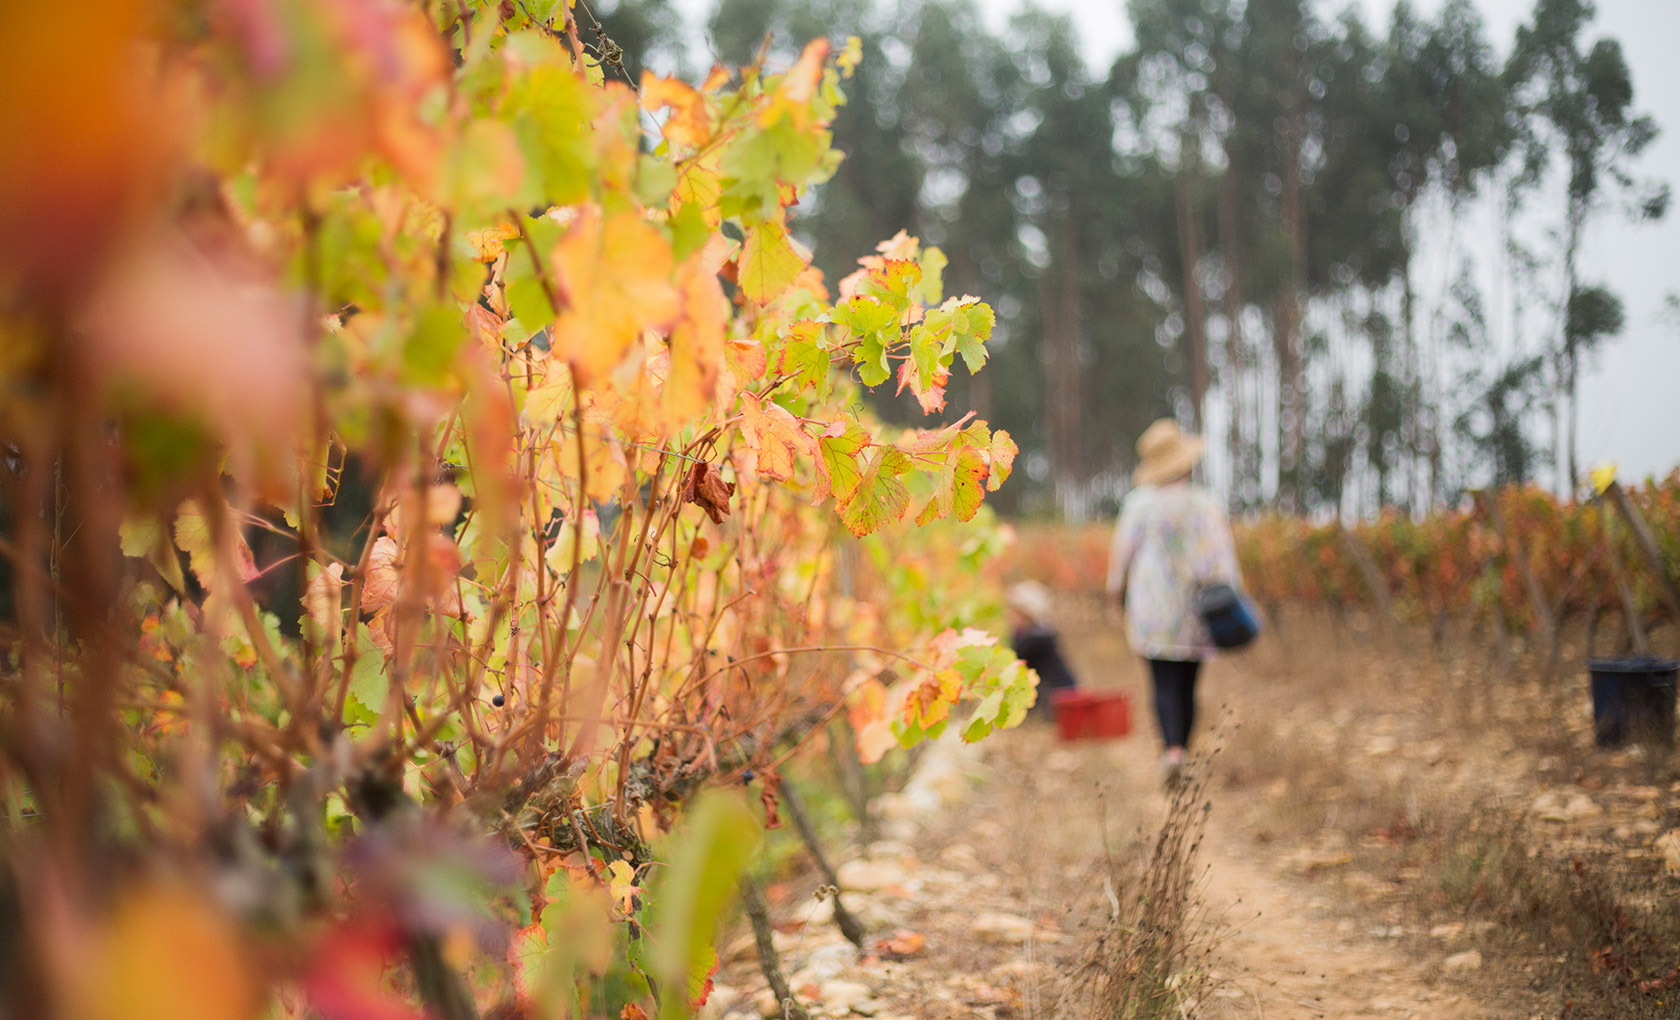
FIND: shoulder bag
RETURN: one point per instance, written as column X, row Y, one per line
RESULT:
column 1230, row 619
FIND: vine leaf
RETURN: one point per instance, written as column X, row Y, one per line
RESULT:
column 689, row 123
column 614, row 277
column 696, row 350
column 706, row 488
column 769, row 262
column 962, row 486
column 880, row 498
column 552, row 111
column 746, row 358
column 1002, row 454
column 192, row 536
column 323, row 602
column 774, row 435
column 893, row 279
column 528, row 953
column 369, row 686
column 837, row 464
column 574, row 543
column 803, row 358
column 972, row 322
column 928, row 386
column 864, row 315
column 933, row 276
column 930, row 702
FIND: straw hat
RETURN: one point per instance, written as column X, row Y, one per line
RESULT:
column 1031, row 600
column 1166, row 453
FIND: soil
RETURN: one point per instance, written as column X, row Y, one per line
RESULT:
column 990, row 882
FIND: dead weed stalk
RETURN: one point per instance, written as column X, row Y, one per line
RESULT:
column 1151, row 959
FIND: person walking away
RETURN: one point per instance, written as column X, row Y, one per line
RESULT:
column 1172, row 537
column 1032, row 635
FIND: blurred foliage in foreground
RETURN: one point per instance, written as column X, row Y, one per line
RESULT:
column 429, row 467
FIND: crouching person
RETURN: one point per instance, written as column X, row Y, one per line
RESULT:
column 1032, row 635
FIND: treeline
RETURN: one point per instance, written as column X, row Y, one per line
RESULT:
column 1224, row 225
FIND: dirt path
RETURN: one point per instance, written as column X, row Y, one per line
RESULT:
column 1296, row 948
column 992, row 878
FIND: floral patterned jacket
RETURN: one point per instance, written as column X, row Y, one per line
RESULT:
column 1169, row 541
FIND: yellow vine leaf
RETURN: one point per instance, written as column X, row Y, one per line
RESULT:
column 487, row 243
column 797, row 87
column 769, row 262
column 697, row 345
column 622, row 887
column 603, row 467
column 193, row 537
column 962, row 486
column 1002, row 456
column 689, row 123
column 614, row 278
column 879, row 498
column 930, row 700
column 837, row 464
column 774, row 435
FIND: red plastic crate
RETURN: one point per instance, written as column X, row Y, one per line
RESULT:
column 1084, row 715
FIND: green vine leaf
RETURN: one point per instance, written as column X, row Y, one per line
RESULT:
column 880, row 498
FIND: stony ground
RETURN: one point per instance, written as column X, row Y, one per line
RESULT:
column 988, row 885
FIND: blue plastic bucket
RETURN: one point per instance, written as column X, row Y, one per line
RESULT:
column 1633, row 700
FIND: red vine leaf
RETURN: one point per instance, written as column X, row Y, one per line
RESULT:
column 706, row 488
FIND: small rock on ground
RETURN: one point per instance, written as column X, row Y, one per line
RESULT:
column 1470, row 959
column 870, row 876
column 1003, row 928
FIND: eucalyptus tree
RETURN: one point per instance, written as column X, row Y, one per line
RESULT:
column 1276, row 37
column 1579, row 100
column 1063, row 177
column 1497, row 423
column 1351, row 248
column 1447, row 114
column 1164, row 90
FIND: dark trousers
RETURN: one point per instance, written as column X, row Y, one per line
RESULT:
column 1175, row 699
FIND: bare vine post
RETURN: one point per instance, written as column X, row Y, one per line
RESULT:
column 769, row 961
column 1647, row 543
column 1544, row 620
column 848, row 924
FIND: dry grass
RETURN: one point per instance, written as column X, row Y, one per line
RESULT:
column 1151, row 958
column 1593, row 934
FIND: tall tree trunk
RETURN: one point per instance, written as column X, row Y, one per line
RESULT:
column 1571, row 355
column 1291, row 373
column 1573, row 424
column 1195, row 316
column 1073, row 374
column 1050, row 357
column 1410, row 417
column 1430, row 398
column 1058, row 291
column 1568, row 360
column 1230, row 253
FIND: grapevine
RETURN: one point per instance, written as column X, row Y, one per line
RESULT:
column 452, row 449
